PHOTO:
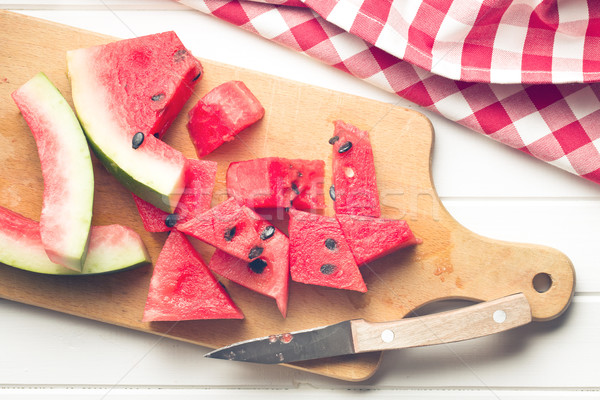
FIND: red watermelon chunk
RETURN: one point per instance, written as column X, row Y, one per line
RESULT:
column 126, row 95
column 152, row 77
column 273, row 182
column 354, row 180
column 221, row 114
column 370, row 238
column 267, row 274
column 199, row 184
column 226, row 227
column 183, row 288
column 320, row 254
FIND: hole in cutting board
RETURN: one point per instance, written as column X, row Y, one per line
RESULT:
column 542, row 282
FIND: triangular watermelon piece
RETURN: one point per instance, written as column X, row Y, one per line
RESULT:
column 320, row 254
column 126, row 95
column 370, row 238
column 183, row 288
column 354, row 181
column 267, row 274
column 226, row 227
column 199, row 184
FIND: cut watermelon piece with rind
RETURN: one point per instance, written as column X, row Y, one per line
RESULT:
column 183, row 288
column 111, row 248
column 277, row 182
column 131, row 86
column 354, row 177
column 371, row 238
column 269, row 273
column 320, row 254
column 226, row 227
column 221, row 114
column 67, row 172
column 199, row 185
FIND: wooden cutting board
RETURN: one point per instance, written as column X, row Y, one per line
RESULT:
column 452, row 262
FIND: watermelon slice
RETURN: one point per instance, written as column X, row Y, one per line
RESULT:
column 111, row 248
column 272, row 182
column 319, row 253
column 221, row 114
column 354, row 187
column 66, row 169
column 267, row 274
column 227, row 227
column 199, row 184
column 126, row 94
column 183, row 288
column 371, row 238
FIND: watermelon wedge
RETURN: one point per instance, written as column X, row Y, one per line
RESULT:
column 183, row 288
column 66, row 169
column 111, row 248
column 319, row 253
column 272, row 182
column 227, row 227
column 269, row 273
column 221, row 114
column 371, row 238
column 196, row 198
column 126, row 94
column 354, row 189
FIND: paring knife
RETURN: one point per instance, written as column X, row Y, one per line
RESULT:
column 359, row 336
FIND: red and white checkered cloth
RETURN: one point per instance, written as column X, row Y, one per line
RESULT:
column 522, row 72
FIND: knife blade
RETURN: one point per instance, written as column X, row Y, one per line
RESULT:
column 359, row 336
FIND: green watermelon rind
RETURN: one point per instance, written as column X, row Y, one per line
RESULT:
column 21, row 248
column 66, row 217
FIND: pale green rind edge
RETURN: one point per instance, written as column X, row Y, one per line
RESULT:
column 41, row 84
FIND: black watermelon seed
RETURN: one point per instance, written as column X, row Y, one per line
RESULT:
column 229, row 234
column 158, row 97
column 255, row 252
column 328, row 269
column 331, row 244
column 334, row 139
column 299, row 174
column 332, row 192
column 345, row 147
column 137, row 140
column 267, row 232
column 257, row 266
column 295, row 188
column 171, row 220
column 180, row 55
column 197, row 76
column 157, row 135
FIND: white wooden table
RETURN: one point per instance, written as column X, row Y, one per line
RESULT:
column 491, row 189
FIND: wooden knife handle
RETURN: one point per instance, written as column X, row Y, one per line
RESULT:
column 445, row 327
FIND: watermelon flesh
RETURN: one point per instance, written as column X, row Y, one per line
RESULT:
column 227, row 227
column 275, row 182
column 221, row 114
column 111, row 248
column 66, row 169
column 320, row 254
column 196, row 198
column 183, row 288
column 130, row 89
column 269, row 273
column 354, row 180
column 371, row 238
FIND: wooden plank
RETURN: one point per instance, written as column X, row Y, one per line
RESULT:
column 452, row 261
